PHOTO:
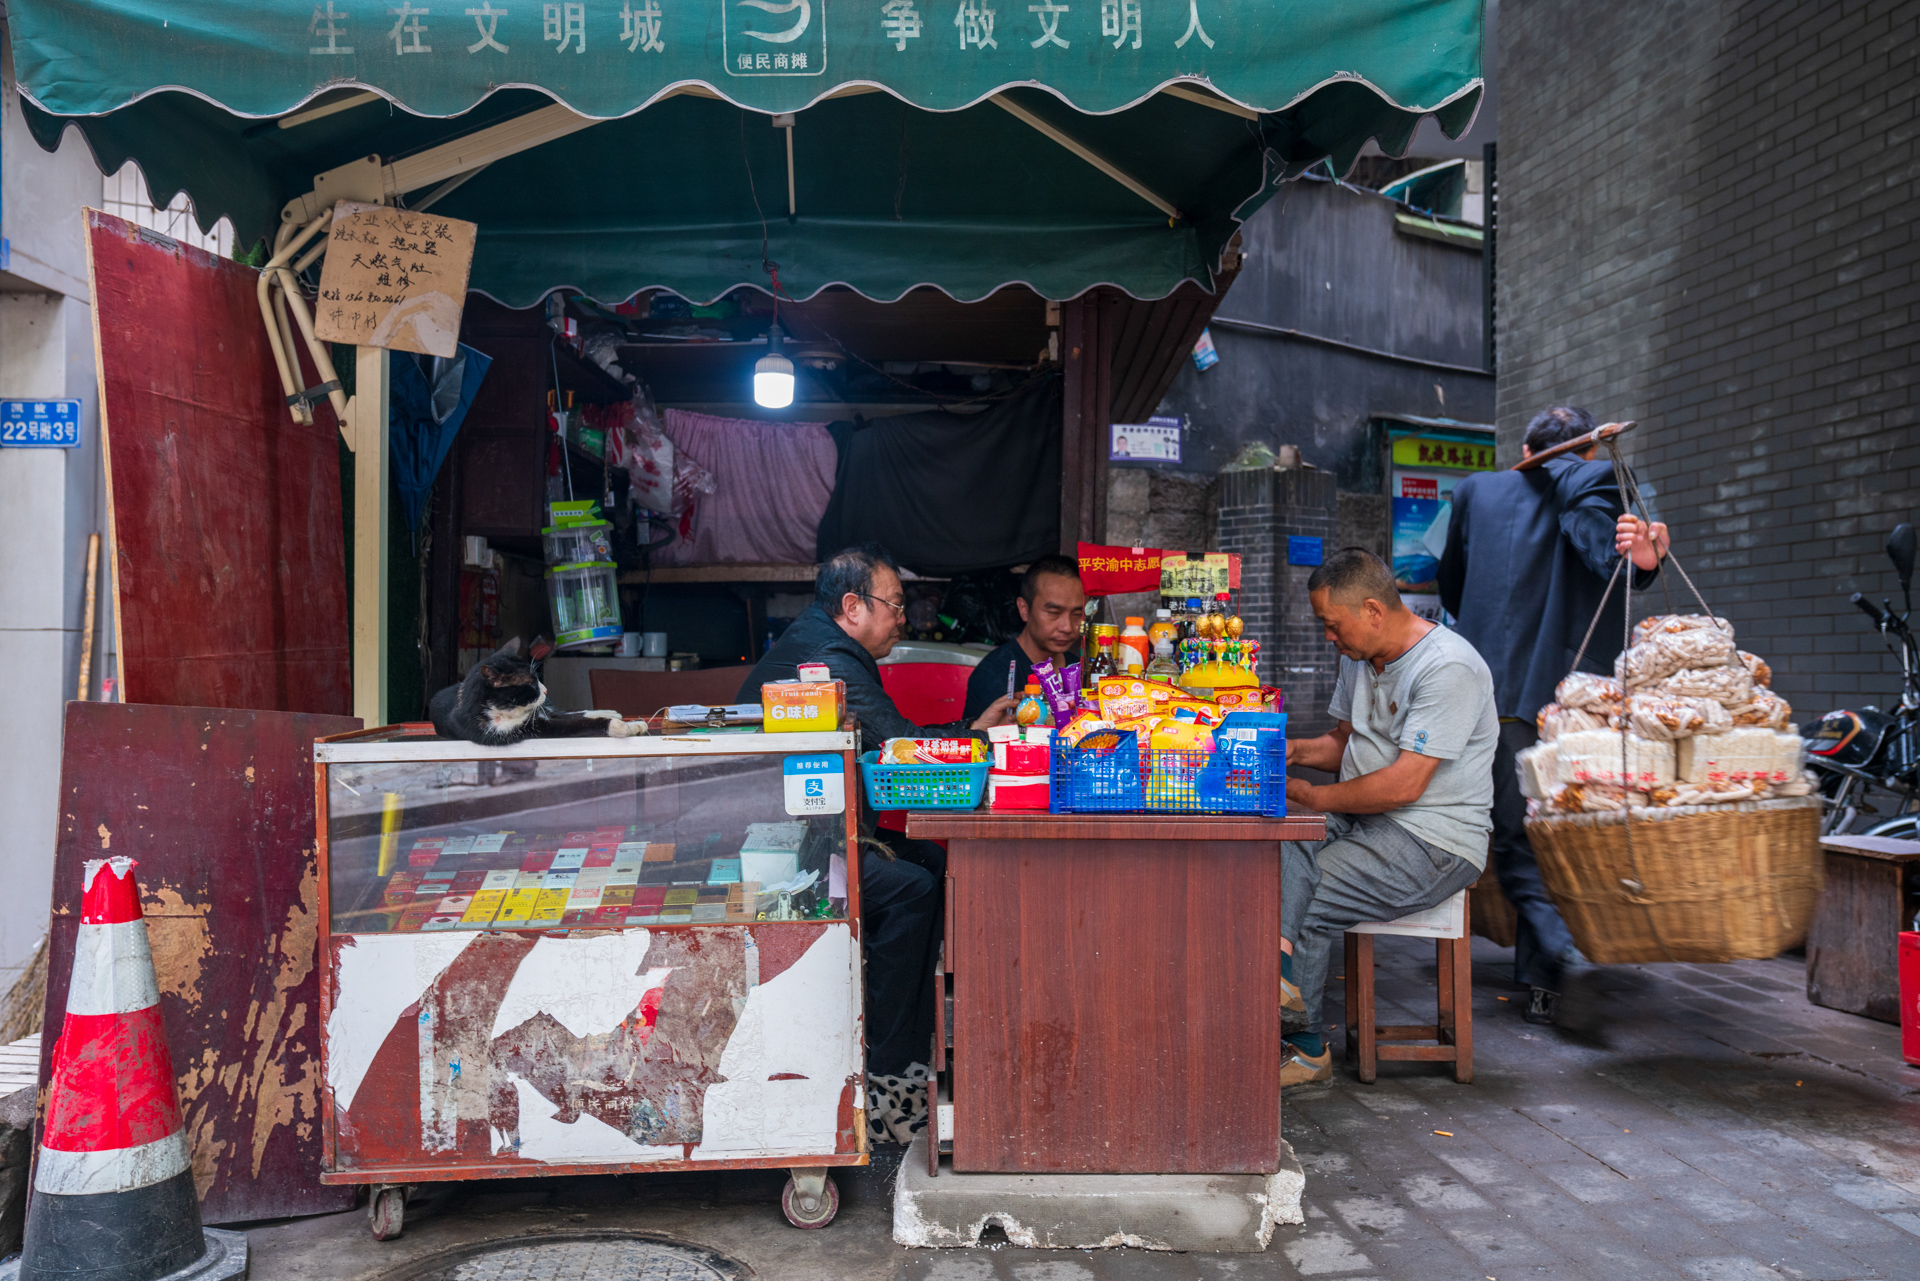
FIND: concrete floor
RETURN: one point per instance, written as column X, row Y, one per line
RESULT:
column 1728, row 1131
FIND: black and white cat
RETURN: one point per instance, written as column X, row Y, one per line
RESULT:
column 502, row 701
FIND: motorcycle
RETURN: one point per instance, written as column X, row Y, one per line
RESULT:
column 1868, row 761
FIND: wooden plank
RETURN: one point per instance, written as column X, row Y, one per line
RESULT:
column 1102, row 988
column 217, row 806
column 1884, row 847
column 1853, row 948
column 225, row 537
column 943, row 825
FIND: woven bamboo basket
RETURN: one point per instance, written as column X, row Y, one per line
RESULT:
column 1493, row 917
column 1699, row 883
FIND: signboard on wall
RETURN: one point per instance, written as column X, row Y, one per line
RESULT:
column 394, row 279
column 39, row 424
column 1157, row 440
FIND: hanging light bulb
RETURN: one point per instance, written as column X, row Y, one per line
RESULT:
column 773, row 375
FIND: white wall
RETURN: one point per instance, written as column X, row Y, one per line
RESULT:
column 50, row 501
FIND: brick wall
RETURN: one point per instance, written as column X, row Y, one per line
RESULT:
column 1705, row 226
column 1259, row 511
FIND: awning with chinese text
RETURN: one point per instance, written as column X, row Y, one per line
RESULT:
column 928, row 181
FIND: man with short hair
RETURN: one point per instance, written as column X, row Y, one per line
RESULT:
column 1412, row 744
column 1525, row 567
column 855, row 618
column 1053, row 608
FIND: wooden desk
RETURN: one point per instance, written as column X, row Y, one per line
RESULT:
column 1116, row 989
column 1853, row 943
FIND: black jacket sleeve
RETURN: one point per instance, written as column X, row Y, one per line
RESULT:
column 1451, row 576
column 1590, row 507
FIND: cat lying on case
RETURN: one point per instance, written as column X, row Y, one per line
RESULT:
column 502, row 701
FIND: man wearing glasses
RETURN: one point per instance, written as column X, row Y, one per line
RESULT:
column 858, row 613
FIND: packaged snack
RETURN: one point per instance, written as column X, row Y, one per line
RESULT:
column 1105, row 739
column 1730, row 686
column 1539, row 768
column 1660, row 717
column 1600, row 757
column 1756, row 666
column 932, row 751
column 1666, row 652
column 1766, row 708
column 1181, row 736
column 1079, row 725
column 1123, row 698
column 1735, row 758
column 1584, row 691
column 1555, row 720
column 1673, row 624
column 1060, row 687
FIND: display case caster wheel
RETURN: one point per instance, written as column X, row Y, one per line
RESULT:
column 810, row 1199
column 387, row 1211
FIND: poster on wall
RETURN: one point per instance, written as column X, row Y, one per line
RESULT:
column 1422, row 508
column 1157, row 440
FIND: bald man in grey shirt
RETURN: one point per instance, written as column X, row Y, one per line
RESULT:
column 1407, row 823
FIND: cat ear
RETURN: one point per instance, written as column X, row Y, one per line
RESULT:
column 511, row 648
column 541, row 648
column 489, row 675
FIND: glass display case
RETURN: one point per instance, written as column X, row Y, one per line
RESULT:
column 636, row 954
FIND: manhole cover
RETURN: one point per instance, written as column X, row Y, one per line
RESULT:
column 581, row 1259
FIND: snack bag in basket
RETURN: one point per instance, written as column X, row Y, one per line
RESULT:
column 1664, row 653
column 1673, row 624
column 1730, row 686
column 932, row 751
column 1766, row 708
column 1555, row 720
column 1661, row 718
column 1584, row 691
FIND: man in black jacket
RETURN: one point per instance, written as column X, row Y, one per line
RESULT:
column 856, row 616
column 1527, row 560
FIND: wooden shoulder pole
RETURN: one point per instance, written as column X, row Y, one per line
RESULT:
column 1579, row 444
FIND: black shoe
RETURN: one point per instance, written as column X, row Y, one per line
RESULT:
column 1542, row 1005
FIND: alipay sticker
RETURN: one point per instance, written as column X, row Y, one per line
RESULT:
column 815, row 784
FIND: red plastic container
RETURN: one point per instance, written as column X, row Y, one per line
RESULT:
column 1910, row 997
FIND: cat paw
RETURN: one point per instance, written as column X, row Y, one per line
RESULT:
column 617, row 728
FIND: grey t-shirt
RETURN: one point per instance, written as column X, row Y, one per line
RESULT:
column 1436, row 700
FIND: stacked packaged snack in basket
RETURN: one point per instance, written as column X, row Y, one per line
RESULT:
column 1686, row 719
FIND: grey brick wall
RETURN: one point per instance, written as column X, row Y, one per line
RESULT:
column 1706, row 227
column 1259, row 511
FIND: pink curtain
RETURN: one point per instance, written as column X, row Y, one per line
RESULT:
column 771, row 486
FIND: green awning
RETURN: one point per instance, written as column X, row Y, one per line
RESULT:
column 972, row 166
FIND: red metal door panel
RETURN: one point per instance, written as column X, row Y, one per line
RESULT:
column 217, row 807
column 229, row 567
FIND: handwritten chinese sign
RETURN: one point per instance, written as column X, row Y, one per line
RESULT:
column 39, row 424
column 394, row 279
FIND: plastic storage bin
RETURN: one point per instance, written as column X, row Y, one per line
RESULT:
column 585, row 600
column 588, row 543
column 922, row 787
column 1240, row 777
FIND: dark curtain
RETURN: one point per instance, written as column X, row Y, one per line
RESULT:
column 949, row 493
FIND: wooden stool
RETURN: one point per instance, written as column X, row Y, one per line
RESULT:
column 1452, row 1034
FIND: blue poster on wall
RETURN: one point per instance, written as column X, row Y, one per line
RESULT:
column 1419, row 536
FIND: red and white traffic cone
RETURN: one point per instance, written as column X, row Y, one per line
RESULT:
column 113, row 1195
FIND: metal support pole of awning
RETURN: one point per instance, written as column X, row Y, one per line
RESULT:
column 1089, row 155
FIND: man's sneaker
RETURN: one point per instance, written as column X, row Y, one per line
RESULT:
column 1290, row 997
column 1299, row 1069
column 1542, row 1005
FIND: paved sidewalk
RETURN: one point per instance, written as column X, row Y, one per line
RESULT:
column 1728, row 1131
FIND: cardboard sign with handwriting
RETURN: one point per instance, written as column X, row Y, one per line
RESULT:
column 394, row 279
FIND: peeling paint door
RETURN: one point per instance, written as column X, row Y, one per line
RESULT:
column 217, row 808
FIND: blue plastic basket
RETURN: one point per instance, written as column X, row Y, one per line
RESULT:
column 1238, row 778
column 922, row 787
